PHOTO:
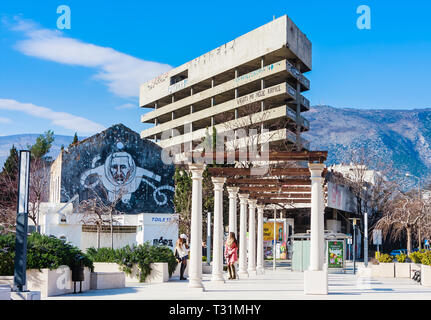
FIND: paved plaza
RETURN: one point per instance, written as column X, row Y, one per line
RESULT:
column 281, row 284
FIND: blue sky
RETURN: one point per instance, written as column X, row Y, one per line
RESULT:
column 86, row 78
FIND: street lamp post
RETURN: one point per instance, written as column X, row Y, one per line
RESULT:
column 354, row 243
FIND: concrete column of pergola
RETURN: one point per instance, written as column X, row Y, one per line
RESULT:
column 242, row 272
column 260, row 268
column 252, row 237
column 217, row 268
column 316, row 278
column 233, row 194
column 322, row 224
column 195, row 268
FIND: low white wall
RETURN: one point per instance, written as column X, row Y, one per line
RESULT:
column 107, row 280
column 159, row 272
column 383, row 270
column 4, row 292
column 89, row 239
column 114, row 267
column 55, row 282
column 6, row 280
column 426, row 276
column 402, row 270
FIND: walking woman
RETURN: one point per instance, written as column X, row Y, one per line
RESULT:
column 181, row 254
column 231, row 254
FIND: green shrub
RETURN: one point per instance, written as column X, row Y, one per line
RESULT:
column 141, row 255
column 164, row 254
column 416, row 257
column 426, row 258
column 402, row 257
column 7, row 254
column 385, row 258
column 42, row 252
column 204, row 258
column 102, row 254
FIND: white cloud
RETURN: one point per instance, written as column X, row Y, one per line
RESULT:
column 61, row 119
column 122, row 73
column 5, row 120
column 127, row 106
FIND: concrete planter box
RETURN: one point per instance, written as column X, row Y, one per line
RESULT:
column 158, row 274
column 402, row 270
column 4, row 292
column 383, row 270
column 414, row 267
column 426, row 276
column 107, row 280
column 114, row 267
column 55, row 282
column 6, row 280
column 206, row 268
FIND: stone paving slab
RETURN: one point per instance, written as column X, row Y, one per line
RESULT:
column 281, row 284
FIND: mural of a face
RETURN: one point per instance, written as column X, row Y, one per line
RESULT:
column 120, row 168
column 120, row 175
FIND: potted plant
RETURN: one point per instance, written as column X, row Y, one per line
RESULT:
column 402, row 267
column 385, row 268
column 426, row 269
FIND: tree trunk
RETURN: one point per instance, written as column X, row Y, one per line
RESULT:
column 98, row 238
column 409, row 240
column 420, row 238
column 112, row 233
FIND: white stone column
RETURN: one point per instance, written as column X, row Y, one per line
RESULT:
column 252, row 237
column 217, row 270
column 195, row 268
column 242, row 272
column 316, row 278
column 260, row 268
column 322, row 249
column 233, row 193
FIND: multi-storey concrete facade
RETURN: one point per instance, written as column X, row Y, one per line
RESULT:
column 254, row 79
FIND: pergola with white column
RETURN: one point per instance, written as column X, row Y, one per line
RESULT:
column 316, row 277
column 252, row 237
column 243, row 201
column 217, row 270
column 260, row 263
column 233, row 195
column 283, row 185
column 195, row 268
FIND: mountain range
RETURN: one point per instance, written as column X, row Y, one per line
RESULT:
column 23, row 141
column 401, row 138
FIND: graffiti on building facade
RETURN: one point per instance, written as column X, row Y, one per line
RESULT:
column 127, row 168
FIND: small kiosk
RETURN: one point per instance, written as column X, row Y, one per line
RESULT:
column 335, row 251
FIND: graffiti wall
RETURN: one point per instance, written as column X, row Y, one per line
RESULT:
column 119, row 167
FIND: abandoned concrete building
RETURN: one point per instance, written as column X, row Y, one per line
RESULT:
column 255, row 79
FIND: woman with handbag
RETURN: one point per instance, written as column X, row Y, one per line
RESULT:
column 181, row 254
column 231, row 254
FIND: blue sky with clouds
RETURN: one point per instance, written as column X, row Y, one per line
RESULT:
column 87, row 78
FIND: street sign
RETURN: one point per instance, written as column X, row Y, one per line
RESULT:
column 377, row 237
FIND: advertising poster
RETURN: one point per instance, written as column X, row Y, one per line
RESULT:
column 268, row 231
column 335, row 254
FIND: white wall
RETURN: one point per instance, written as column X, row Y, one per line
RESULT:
column 150, row 227
column 158, row 226
column 89, row 239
